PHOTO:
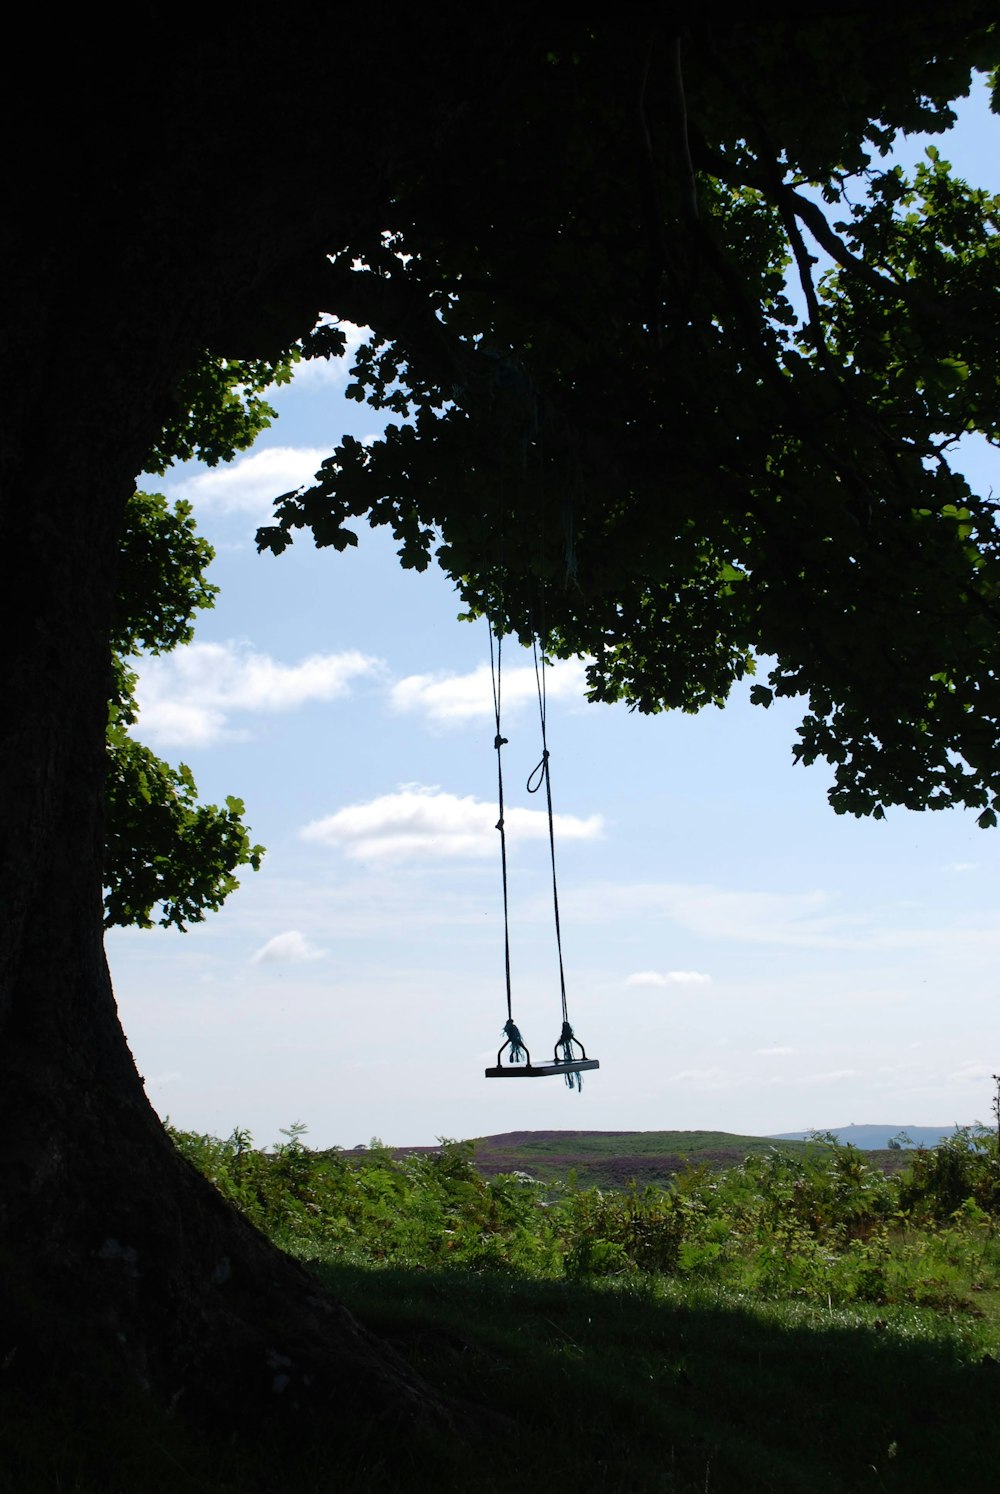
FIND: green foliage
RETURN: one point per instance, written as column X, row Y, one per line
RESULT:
column 424, row 1210
column 219, row 409
column 611, row 1233
column 162, row 848
column 161, row 576
column 961, row 1170
column 822, row 1225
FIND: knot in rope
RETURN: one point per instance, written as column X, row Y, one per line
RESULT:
column 565, row 1044
column 512, row 1034
column 537, row 775
column 499, row 741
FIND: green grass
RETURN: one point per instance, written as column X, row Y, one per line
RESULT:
column 625, row 1386
column 801, row 1322
column 660, row 1386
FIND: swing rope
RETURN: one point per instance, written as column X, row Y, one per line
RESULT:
column 511, row 1030
column 537, row 777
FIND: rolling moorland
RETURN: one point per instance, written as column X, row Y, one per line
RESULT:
column 800, row 1318
column 614, row 1159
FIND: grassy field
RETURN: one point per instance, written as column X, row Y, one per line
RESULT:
column 799, row 1322
column 670, row 1386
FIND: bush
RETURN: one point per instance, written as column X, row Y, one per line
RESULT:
column 825, row 1225
column 961, row 1167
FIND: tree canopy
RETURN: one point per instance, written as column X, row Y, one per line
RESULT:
column 680, row 379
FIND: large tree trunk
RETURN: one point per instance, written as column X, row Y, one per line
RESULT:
column 115, row 1251
column 144, row 228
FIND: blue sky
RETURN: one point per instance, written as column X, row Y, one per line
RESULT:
column 737, row 956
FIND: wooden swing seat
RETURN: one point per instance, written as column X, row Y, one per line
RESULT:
column 531, row 1070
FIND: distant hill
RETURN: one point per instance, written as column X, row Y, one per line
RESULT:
column 610, row 1159
column 876, row 1138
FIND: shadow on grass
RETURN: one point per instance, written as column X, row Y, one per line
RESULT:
column 674, row 1389
column 612, row 1386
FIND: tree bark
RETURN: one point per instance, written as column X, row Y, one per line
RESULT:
column 118, row 1258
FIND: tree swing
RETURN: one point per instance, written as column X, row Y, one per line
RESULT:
column 564, row 1060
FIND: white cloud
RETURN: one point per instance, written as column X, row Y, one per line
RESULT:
column 251, row 483
column 971, row 1073
column 453, row 699
column 186, row 698
column 961, row 866
column 760, row 917
column 668, row 978
column 420, row 821
column 787, row 918
column 291, row 948
column 706, row 1078
column 831, row 1077
column 772, row 1052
